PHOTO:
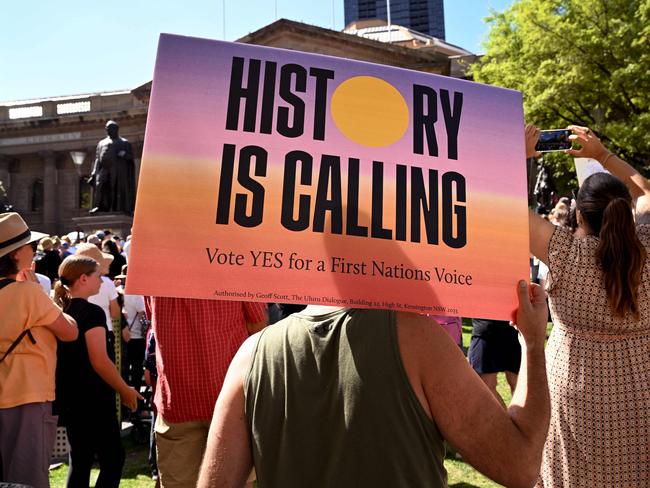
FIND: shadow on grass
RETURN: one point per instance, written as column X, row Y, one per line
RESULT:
column 463, row 485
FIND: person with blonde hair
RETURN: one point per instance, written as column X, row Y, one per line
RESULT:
column 87, row 380
column 106, row 297
column 599, row 296
column 29, row 327
column 47, row 259
column 559, row 215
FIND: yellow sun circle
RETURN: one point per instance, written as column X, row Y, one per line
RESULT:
column 369, row 111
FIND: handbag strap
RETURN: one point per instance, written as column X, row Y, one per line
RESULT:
column 24, row 333
column 15, row 343
column 137, row 314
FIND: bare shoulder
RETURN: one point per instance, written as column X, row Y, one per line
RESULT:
column 414, row 320
column 26, row 287
column 245, row 353
column 416, row 326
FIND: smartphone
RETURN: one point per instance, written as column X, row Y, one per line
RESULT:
column 553, row 140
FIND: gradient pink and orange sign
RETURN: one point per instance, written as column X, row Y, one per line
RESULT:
column 279, row 176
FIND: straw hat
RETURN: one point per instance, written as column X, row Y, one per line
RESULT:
column 92, row 251
column 94, row 240
column 14, row 233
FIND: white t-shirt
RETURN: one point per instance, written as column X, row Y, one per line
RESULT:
column 107, row 292
column 126, row 249
column 45, row 283
column 134, row 304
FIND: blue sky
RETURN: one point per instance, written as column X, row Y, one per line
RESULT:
column 50, row 48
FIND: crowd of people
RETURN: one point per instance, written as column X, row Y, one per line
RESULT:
column 339, row 397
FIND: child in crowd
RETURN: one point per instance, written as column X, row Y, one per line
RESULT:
column 86, row 380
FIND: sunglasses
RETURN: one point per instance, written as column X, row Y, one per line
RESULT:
column 34, row 245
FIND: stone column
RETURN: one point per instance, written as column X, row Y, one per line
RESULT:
column 49, row 191
column 49, row 109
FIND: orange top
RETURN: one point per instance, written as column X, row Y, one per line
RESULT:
column 27, row 373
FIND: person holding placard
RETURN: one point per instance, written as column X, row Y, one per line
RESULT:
column 348, row 397
column 599, row 295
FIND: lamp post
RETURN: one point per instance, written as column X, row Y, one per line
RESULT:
column 78, row 159
column 390, row 27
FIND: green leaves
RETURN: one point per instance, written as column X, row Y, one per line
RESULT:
column 577, row 61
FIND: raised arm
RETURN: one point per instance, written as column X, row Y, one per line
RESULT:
column 540, row 230
column 592, row 147
column 504, row 444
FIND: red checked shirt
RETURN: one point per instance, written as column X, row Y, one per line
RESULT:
column 195, row 342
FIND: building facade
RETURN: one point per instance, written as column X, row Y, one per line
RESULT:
column 47, row 146
column 425, row 16
column 47, row 151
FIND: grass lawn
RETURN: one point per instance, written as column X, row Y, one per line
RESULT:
column 136, row 472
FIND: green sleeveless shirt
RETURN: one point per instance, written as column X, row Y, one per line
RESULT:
column 328, row 404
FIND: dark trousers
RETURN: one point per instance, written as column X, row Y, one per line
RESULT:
column 95, row 433
column 27, row 434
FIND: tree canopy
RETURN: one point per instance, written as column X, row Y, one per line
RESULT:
column 584, row 62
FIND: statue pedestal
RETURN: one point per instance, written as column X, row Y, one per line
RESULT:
column 117, row 223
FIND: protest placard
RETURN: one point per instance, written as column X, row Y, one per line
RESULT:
column 280, row 176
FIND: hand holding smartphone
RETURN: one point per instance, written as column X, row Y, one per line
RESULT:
column 553, row 140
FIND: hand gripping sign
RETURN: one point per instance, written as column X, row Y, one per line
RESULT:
column 279, row 176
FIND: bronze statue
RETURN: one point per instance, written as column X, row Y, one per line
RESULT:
column 544, row 190
column 5, row 206
column 113, row 176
